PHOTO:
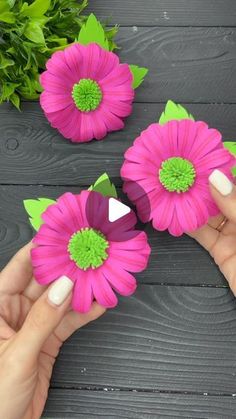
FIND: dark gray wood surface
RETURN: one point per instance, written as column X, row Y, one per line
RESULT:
column 179, row 339
column 69, row 403
column 166, row 12
column 169, row 351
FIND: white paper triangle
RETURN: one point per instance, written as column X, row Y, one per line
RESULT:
column 117, row 210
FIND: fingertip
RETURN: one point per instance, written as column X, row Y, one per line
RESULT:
column 221, row 183
column 96, row 310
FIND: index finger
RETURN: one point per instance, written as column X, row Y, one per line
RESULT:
column 18, row 272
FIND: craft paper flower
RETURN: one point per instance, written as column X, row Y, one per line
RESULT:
column 77, row 240
column 87, row 92
column 166, row 174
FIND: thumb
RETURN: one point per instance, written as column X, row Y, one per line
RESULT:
column 224, row 194
column 44, row 316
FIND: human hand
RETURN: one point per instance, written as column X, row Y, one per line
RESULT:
column 34, row 322
column 219, row 235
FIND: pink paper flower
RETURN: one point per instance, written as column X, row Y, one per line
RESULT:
column 87, row 92
column 78, row 241
column 166, row 174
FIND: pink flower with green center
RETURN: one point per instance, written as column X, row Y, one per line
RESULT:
column 87, row 92
column 166, row 174
column 77, row 240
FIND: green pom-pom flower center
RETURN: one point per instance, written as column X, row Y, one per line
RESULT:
column 177, row 174
column 87, row 95
column 87, row 248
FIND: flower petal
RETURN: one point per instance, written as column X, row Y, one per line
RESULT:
column 118, row 107
column 46, row 254
column 108, row 61
column 46, row 273
column 175, row 228
column 71, row 211
column 117, row 78
column 53, row 217
column 213, row 160
column 51, row 102
column 82, row 294
column 48, row 236
column 122, row 281
column 55, row 84
column 185, row 214
column 90, row 61
column 135, row 242
column 206, row 141
column 112, row 122
column 163, row 212
column 127, row 260
column 57, row 65
column 74, row 60
column 102, row 290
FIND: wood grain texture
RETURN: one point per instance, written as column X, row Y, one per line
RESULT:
column 166, row 12
column 162, row 338
column 31, row 152
column 173, row 260
column 185, row 64
column 130, row 405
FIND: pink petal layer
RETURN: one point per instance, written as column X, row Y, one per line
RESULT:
column 52, row 103
column 83, row 295
column 102, row 290
column 122, row 281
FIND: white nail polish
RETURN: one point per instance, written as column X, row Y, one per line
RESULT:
column 60, row 290
column 221, row 182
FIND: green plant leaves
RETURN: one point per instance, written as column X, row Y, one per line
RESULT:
column 35, row 208
column 174, row 111
column 104, row 186
column 5, row 12
column 35, row 9
column 92, row 31
column 231, row 147
column 138, row 74
column 34, row 32
column 15, row 100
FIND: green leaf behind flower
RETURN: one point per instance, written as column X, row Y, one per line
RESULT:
column 92, row 31
column 231, row 147
column 175, row 112
column 35, row 208
column 104, row 186
column 138, row 74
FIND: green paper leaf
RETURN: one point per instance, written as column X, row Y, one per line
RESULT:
column 138, row 74
column 35, row 208
column 35, row 9
column 92, row 31
column 34, row 32
column 231, row 147
column 104, row 186
column 175, row 112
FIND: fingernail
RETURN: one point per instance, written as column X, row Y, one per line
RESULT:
column 221, row 182
column 60, row 290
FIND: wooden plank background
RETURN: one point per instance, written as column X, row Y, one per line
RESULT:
column 168, row 351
